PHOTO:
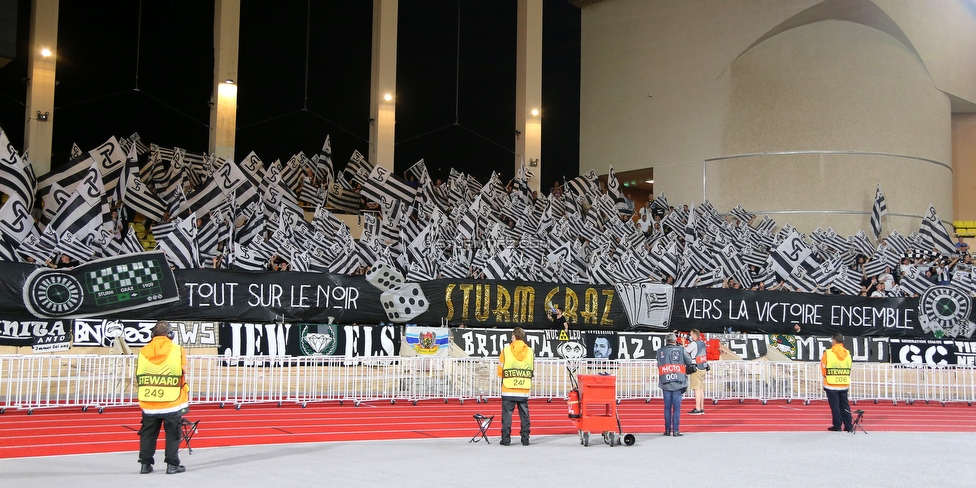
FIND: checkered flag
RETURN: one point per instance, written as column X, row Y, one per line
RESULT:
column 878, row 211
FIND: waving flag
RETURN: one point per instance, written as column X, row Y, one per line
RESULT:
column 16, row 175
column 323, row 164
column 933, row 228
column 879, row 210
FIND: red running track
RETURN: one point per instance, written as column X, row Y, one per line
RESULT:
column 70, row 431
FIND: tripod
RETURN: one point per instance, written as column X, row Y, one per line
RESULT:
column 857, row 422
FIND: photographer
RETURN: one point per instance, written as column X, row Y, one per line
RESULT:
column 673, row 363
column 696, row 350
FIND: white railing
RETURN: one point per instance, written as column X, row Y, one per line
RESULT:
column 30, row 382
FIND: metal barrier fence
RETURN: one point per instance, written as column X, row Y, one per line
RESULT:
column 30, row 382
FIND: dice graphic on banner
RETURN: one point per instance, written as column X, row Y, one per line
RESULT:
column 384, row 277
column 404, row 302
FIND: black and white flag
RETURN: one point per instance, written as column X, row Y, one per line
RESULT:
column 16, row 221
column 383, row 187
column 16, row 175
column 878, row 211
column 323, row 169
column 180, row 245
column 140, row 199
column 793, row 261
column 740, row 213
column 343, row 200
column 933, row 228
column 82, row 212
column 111, row 161
column 356, row 172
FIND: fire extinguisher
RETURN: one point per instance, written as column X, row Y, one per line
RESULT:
column 574, row 404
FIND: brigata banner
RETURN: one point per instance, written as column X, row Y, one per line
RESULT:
column 206, row 295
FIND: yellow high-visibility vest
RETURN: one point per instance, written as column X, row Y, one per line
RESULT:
column 838, row 371
column 517, row 375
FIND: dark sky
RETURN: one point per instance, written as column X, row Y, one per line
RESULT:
column 118, row 75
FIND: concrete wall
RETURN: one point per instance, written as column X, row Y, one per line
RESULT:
column 672, row 84
column 964, row 162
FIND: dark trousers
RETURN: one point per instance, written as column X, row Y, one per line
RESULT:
column 508, row 405
column 840, row 410
column 150, row 432
column 672, row 410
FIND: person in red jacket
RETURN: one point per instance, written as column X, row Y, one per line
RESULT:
column 164, row 397
column 516, row 365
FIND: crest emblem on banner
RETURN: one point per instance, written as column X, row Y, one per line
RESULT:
column 318, row 340
column 426, row 340
column 785, row 343
column 944, row 311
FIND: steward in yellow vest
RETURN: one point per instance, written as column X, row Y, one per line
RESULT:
column 835, row 366
column 163, row 396
column 516, row 365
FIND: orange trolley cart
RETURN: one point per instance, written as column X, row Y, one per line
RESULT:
column 593, row 408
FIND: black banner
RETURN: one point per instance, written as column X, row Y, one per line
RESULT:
column 256, row 339
column 267, row 341
column 601, row 345
column 545, row 343
column 264, row 297
column 127, row 282
column 966, row 353
column 345, row 340
column 103, row 332
column 923, row 352
column 44, row 335
column 776, row 312
column 811, row 348
column 636, row 345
